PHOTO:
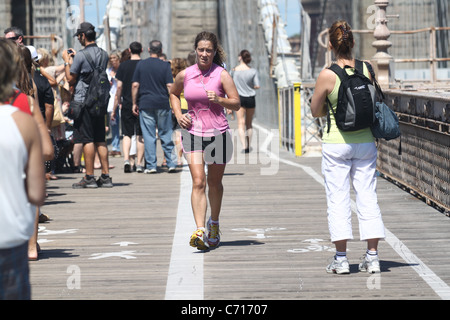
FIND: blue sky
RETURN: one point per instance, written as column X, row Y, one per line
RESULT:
column 292, row 18
column 90, row 10
column 291, row 7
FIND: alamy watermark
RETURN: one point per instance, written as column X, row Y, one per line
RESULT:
column 264, row 152
column 73, row 14
column 374, row 282
column 74, row 280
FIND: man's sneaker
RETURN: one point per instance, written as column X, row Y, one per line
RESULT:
column 139, row 169
column 340, row 266
column 172, row 169
column 213, row 234
column 127, row 167
column 370, row 265
column 105, row 182
column 85, row 183
column 199, row 240
column 150, row 171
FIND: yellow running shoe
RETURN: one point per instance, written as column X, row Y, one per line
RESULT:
column 213, row 234
column 198, row 239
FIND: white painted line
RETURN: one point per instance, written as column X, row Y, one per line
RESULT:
column 185, row 279
column 439, row 287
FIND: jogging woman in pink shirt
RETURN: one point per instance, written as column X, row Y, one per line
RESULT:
column 206, row 138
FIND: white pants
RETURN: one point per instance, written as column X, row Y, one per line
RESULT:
column 342, row 163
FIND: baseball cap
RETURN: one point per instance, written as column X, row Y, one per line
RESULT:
column 84, row 27
column 34, row 54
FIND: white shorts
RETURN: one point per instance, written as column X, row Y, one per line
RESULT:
column 355, row 163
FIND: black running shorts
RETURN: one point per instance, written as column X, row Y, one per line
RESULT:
column 217, row 149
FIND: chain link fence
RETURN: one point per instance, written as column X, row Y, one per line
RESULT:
column 240, row 28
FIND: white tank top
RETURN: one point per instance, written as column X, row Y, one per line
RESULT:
column 16, row 214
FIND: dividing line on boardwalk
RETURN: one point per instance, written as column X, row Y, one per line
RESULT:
column 437, row 285
column 185, row 278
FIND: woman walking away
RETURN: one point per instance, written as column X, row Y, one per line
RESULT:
column 206, row 137
column 247, row 81
column 114, row 123
column 347, row 156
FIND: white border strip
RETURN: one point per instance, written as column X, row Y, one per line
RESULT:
column 439, row 287
column 185, row 278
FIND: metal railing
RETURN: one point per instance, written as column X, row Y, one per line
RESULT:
column 289, row 123
column 423, row 165
column 299, row 131
column 56, row 42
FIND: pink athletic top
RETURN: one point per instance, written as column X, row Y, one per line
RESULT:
column 208, row 119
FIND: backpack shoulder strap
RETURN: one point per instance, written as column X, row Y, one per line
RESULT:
column 342, row 76
column 330, row 108
column 339, row 71
column 359, row 66
column 89, row 59
column 91, row 62
column 374, row 80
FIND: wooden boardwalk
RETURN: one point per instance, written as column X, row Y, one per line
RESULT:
column 121, row 244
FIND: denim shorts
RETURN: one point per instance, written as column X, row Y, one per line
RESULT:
column 217, row 149
column 14, row 273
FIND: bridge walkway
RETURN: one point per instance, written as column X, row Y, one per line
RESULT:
column 131, row 242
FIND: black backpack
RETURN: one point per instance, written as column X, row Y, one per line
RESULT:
column 97, row 95
column 356, row 99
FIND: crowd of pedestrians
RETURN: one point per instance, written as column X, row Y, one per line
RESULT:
column 45, row 127
column 148, row 100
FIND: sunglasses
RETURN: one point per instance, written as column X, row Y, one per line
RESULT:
column 13, row 38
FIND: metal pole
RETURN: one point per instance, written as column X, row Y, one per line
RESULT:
column 98, row 15
column 433, row 64
column 81, row 11
column 297, row 120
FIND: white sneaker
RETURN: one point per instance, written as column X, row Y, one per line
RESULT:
column 370, row 265
column 340, row 266
column 150, row 171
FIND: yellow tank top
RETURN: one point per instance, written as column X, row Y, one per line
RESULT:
column 184, row 104
column 337, row 136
